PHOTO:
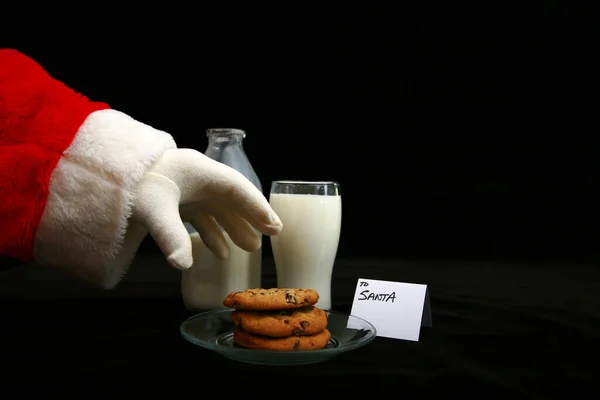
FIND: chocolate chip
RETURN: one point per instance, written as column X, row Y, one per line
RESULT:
column 298, row 332
column 296, row 344
column 304, row 324
column 291, row 298
column 286, row 321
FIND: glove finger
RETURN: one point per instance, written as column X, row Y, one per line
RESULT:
column 243, row 197
column 209, row 182
column 211, row 235
column 240, row 231
column 157, row 208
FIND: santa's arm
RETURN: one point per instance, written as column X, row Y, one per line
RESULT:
column 68, row 169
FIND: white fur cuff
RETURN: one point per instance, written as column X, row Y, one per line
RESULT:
column 84, row 229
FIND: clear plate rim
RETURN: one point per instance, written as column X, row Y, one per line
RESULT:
column 326, row 351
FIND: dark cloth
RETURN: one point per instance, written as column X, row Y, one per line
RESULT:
column 499, row 331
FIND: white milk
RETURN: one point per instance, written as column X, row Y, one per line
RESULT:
column 306, row 248
column 206, row 284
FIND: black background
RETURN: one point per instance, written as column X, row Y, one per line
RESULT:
column 461, row 135
column 455, row 132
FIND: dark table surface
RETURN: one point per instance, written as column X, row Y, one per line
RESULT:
column 499, row 331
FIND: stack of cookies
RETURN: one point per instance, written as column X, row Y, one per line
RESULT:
column 278, row 319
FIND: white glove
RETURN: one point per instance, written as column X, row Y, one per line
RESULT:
column 186, row 186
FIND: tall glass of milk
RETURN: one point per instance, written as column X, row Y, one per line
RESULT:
column 306, row 248
column 210, row 279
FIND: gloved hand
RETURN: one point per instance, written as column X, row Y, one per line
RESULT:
column 186, row 186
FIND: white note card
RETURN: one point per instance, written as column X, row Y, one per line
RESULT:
column 396, row 309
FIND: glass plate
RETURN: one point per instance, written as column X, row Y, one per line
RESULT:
column 213, row 330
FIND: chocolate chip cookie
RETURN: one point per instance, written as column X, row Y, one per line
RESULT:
column 271, row 299
column 290, row 343
column 280, row 323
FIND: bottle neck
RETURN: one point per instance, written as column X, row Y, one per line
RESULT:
column 226, row 146
column 226, row 140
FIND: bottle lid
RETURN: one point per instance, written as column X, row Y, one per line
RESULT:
column 225, row 132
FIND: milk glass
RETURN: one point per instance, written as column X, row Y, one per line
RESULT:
column 306, row 248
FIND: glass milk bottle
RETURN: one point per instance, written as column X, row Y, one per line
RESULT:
column 206, row 284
